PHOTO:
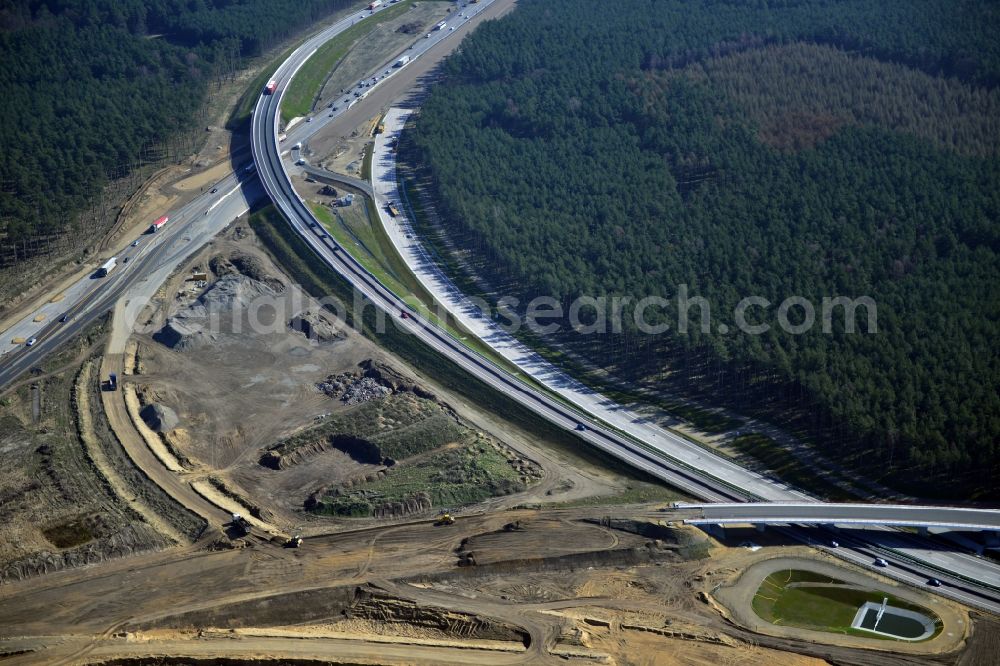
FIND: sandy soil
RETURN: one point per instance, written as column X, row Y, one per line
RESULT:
column 199, row 181
column 576, row 591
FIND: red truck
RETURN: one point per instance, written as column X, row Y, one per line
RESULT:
column 156, row 226
column 271, row 86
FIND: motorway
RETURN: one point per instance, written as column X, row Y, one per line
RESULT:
column 705, row 476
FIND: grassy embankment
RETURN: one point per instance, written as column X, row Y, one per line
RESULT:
column 358, row 230
column 434, row 456
column 362, row 234
column 320, row 281
column 241, row 113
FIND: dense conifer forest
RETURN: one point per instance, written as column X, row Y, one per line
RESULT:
column 782, row 148
column 94, row 89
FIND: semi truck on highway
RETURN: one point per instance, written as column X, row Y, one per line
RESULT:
column 271, row 86
column 156, row 226
column 402, row 61
column 107, row 267
column 441, row 26
column 374, row 4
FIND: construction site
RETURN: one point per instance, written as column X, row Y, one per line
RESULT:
column 276, row 487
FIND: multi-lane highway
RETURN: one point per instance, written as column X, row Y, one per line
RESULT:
column 706, row 476
column 150, row 261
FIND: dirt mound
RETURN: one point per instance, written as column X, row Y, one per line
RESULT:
column 159, row 418
column 363, row 390
column 247, row 265
column 231, row 291
column 359, row 449
column 373, row 603
column 315, row 326
column 187, row 329
column 251, row 267
column 181, row 333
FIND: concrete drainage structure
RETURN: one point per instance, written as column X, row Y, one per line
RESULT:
column 898, row 623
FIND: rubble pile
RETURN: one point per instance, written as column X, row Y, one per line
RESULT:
column 335, row 385
column 365, row 390
column 353, row 390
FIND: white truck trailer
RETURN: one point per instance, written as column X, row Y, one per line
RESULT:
column 107, row 267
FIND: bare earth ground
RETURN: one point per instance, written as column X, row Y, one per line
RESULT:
column 250, row 385
column 500, row 585
column 554, row 589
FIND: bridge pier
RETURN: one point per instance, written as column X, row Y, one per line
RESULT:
column 760, row 527
column 714, row 529
column 922, row 531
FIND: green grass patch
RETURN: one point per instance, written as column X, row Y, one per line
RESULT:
column 309, row 80
column 450, row 479
column 777, row 460
column 366, row 161
column 69, row 534
column 814, row 601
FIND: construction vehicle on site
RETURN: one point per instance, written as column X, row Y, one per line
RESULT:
column 240, row 524
column 445, row 518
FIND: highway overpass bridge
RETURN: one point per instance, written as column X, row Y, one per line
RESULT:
column 889, row 515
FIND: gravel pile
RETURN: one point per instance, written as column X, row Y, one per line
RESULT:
column 159, row 418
